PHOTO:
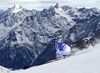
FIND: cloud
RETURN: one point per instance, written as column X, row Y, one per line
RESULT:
column 45, row 1
column 1, row 1
column 48, row 1
column 98, row 1
column 25, row 0
column 52, row 1
column 81, row 1
column 41, row 4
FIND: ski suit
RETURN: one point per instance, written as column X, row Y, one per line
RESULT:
column 62, row 48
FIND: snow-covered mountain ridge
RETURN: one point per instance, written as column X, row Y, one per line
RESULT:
column 17, row 8
column 25, row 35
column 12, row 18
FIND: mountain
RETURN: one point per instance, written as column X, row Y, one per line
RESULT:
column 77, row 39
column 17, row 8
column 88, row 19
column 12, row 18
column 1, row 11
column 24, row 42
column 25, row 35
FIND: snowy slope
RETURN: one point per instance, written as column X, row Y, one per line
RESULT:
column 85, row 61
column 4, row 70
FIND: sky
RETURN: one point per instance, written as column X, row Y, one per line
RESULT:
column 41, row 4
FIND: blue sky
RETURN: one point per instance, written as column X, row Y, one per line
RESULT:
column 41, row 4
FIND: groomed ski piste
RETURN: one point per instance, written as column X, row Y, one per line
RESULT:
column 84, row 61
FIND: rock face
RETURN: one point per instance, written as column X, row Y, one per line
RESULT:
column 25, row 35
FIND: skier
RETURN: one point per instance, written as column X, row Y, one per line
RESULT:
column 62, row 49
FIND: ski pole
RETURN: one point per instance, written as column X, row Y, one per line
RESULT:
column 77, row 29
column 73, row 30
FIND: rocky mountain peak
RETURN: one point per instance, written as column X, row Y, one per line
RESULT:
column 57, row 5
column 17, row 8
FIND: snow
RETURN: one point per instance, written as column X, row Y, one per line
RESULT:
column 21, row 38
column 17, row 8
column 4, row 70
column 63, row 14
column 3, row 33
column 72, row 37
column 85, row 61
column 76, row 12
